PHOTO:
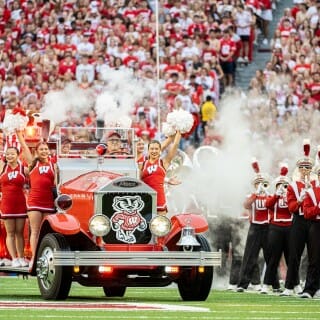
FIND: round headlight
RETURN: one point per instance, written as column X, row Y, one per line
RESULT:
column 63, row 202
column 99, row 225
column 160, row 226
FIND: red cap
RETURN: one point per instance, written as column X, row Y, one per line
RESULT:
column 114, row 133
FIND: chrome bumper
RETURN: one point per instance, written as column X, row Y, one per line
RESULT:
column 136, row 258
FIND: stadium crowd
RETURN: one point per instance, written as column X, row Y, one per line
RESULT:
column 46, row 44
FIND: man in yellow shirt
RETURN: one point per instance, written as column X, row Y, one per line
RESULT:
column 208, row 113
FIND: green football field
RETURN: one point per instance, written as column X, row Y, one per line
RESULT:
column 20, row 299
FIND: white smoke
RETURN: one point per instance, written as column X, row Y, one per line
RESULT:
column 122, row 91
column 72, row 100
column 114, row 104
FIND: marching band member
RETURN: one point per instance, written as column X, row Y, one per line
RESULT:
column 279, row 229
column 300, row 226
column 311, row 211
column 258, row 230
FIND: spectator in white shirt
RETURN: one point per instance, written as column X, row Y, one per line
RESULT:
column 85, row 68
column 190, row 50
column 85, row 47
column 9, row 89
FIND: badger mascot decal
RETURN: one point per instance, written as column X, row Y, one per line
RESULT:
column 127, row 218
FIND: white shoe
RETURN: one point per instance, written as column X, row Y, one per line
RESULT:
column 287, row 293
column 317, row 294
column 2, row 263
column 246, row 60
column 240, row 60
column 6, row 262
column 297, row 289
column 23, row 262
column 265, row 42
column 15, row 263
column 306, row 295
column 255, row 287
column 240, row 289
column 232, row 287
column 265, row 289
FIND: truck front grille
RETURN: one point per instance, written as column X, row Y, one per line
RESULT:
column 133, row 225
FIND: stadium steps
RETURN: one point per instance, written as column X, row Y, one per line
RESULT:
column 261, row 54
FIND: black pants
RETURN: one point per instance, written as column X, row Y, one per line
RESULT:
column 256, row 240
column 313, row 272
column 299, row 234
column 279, row 242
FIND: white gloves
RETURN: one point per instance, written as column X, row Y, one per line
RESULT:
column 279, row 192
column 302, row 195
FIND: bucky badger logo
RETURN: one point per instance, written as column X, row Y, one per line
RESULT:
column 127, row 218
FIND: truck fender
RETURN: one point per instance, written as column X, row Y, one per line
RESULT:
column 198, row 222
column 63, row 223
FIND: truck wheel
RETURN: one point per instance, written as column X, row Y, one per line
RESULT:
column 54, row 281
column 193, row 285
column 114, row 291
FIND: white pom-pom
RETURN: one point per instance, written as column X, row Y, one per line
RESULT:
column 168, row 129
column 12, row 122
column 180, row 120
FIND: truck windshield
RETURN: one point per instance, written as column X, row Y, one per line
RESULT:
column 82, row 142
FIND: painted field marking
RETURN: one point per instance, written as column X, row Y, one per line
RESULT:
column 129, row 306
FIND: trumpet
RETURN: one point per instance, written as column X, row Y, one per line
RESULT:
column 307, row 183
column 282, row 189
column 262, row 188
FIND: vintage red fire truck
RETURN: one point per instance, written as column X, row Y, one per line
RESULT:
column 106, row 232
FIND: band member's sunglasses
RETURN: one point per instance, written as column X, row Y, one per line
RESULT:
column 305, row 167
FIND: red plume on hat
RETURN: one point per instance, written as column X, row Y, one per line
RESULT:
column 255, row 165
column 259, row 178
column 318, row 153
column 306, row 147
column 283, row 169
column 306, row 160
column 283, row 174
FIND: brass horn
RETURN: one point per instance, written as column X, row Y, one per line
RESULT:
column 202, row 155
column 181, row 165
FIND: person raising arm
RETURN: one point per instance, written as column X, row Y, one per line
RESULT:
column 153, row 170
column 42, row 175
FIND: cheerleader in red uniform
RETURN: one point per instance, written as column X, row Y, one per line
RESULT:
column 42, row 175
column 153, row 170
column 13, row 204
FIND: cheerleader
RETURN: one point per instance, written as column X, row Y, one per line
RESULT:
column 42, row 175
column 13, row 204
column 153, row 170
